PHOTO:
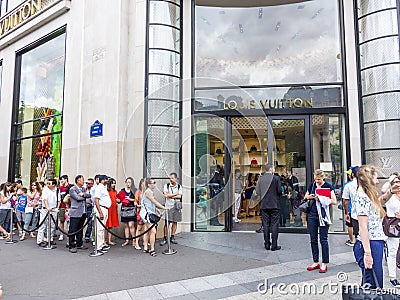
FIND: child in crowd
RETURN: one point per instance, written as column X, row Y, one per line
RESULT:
column 21, row 203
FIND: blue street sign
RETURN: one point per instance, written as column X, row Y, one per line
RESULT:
column 96, row 129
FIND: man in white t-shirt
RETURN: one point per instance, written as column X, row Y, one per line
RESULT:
column 102, row 202
column 349, row 193
column 172, row 193
column 51, row 197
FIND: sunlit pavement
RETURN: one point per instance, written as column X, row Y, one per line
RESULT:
column 206, row 266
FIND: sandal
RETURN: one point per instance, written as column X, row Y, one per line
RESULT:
column 111, row 243
column 137, row 247
column 153, row 253
column 146, row 251
column 125, row 243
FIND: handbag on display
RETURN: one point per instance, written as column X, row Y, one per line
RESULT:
column 254, row 162
column 253, row 148
column 218, row 151
column 128, row 211
column 391, row 226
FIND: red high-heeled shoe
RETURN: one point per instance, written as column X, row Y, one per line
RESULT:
column 323, row 270
column 311, row 268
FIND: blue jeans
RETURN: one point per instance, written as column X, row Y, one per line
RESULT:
column 28, row 218
column 5, row 218
column 313, row 226
column 89, row 225
column 377, row 255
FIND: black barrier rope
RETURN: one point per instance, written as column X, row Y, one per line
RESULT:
column 72, row 233
column 33, row 230
column 124, row 238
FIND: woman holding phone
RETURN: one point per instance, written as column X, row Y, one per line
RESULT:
column 318, row 219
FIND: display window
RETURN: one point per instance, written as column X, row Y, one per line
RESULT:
column 38, row 126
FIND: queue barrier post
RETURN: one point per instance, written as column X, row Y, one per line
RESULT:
column 95, row 253
column 49, row 234
column 168, row 251
column 11, row 238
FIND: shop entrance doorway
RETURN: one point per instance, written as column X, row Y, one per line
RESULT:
column 280, row 141
column 294, row 144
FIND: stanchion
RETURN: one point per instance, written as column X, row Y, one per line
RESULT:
column 49, row 245
column 11, row 239
column 168, row 251
column 95, row 253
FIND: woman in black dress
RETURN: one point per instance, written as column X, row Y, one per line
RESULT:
column 128, row 212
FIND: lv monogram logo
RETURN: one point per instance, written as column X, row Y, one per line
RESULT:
column 386, row 162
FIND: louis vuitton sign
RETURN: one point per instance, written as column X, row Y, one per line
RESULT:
column 19, row 15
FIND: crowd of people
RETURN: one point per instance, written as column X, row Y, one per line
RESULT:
column 58, row 203
column 74, row 204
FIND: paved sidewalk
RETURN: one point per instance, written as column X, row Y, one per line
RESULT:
column 286, row 266
column 245, row 284
column 207, row 266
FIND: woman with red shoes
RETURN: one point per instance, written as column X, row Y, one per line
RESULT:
column 318, row 219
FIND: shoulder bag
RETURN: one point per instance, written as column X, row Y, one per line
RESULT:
column 364, row 291
column 391, row 226
column 152, row 218
column 306, row 204
column 128, row 211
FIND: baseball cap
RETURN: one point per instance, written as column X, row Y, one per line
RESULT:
column 353, row 170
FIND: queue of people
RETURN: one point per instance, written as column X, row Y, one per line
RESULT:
column 73, row 204
column 364, row 206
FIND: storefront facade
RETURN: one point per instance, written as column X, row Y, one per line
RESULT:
column 145, row 88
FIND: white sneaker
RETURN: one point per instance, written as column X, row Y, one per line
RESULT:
column 236, row 220
column 61, row 238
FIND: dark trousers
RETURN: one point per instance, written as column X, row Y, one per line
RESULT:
column 74, row 225
column 89, row 225
column 356, row 228
column 270, row 222
column 285, row 211
column 377, row 255
column 313, row 226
